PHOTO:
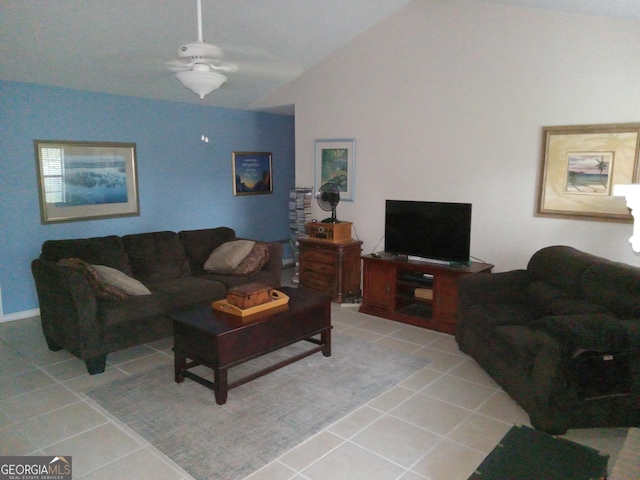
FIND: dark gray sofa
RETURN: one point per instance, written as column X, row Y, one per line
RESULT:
column 169, row 264
column 562, row 337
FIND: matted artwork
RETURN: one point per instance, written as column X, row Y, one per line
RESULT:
column 335, row 163
column 580, row 165
column 86, row 180
column 252, row 173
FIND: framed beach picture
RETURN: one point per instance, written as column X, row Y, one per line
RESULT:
column 581, row 164
column 335, row 163
column 86, row 180
column 252, row 173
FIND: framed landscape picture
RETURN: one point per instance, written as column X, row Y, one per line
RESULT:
column 335, row 163
column 252, row 173
column 580, row 166
column 86, row 180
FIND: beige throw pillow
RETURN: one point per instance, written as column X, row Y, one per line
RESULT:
column 112, row 276
column 228, row 256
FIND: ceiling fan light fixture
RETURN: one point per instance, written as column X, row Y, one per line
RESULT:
column 201, row 81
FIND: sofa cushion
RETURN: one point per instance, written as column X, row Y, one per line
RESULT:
column 228, row 256
column 182, row 292
column 100, row 288
column 156, row 256
column 198, row 244
column 116, row 278
column 230, row 281
column 562, row 267
column 107, row 251
column 589, row 332
column 614, row 285
column 491, row 315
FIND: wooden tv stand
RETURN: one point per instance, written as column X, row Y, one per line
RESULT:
column 389, row 286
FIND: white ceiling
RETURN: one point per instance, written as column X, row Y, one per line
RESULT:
column 121, row 46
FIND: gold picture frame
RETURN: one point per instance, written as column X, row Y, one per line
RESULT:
column 580, row 164
column 252, row 173
column 86, row 180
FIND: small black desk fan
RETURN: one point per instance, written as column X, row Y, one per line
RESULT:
column 328, row 197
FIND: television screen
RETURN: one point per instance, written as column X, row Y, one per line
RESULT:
column 431, row 230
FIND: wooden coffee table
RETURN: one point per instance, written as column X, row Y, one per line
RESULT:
column 218, row 340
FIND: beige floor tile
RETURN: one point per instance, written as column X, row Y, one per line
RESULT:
column 306, row 453
column 440, row 361
column 67, row 369
column 397, row 345
column 12, row 363
column 431, row 414
column 129, row 354
column 347, row 317
column 480, row 432
column 24, row 383
column 471, row 371
column 355, row 422
column 14, row 442
column 145, row 363
column 87, row 382
column 273, row 471
column 449, row 461
column 390, row 399
column 502, row 407
column 446, row 343
column 459, row 392
column 380, row 326
column 366, row 335
column 412, row 476
column 350, row 462
column 95, row 448
column 396, row 440
column 57, row 425
column 140, row 465
column 417, row 335
column 37, row 402
column 421, row 379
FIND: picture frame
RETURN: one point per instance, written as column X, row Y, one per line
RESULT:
column 335, row 161
column 80, row 181
column 580, row 164
column 252, row 173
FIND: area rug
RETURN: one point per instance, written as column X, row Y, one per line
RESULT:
column 261, row 419
column 525, row 454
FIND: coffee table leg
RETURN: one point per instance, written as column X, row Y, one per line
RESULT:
column 325, row 338
column 220, row 385
column 180, row 364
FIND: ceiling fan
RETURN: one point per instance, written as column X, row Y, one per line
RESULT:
column 199, row 64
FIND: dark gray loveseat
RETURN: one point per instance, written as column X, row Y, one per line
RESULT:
column 169, row 264
column 562, row 337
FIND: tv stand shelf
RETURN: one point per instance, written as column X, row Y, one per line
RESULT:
column 389, row 290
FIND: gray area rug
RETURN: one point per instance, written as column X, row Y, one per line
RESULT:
column 261, row 419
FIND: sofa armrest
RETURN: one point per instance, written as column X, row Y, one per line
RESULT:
column 504, row 288
column 68, row 309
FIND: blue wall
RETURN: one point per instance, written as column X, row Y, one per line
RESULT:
column 183, row 182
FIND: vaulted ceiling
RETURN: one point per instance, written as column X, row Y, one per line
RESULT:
column 121, row 46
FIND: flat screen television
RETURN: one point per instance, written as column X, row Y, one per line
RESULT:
column 428, row 230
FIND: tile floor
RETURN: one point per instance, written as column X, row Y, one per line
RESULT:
column 438, row 424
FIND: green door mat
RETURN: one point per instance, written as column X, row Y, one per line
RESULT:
column 526, row 453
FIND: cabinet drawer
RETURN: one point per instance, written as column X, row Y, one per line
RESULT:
column 320, row 256
column 324, row 268
column 323, row 283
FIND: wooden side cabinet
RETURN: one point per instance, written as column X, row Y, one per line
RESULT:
column 419, row 293
column 331, row 268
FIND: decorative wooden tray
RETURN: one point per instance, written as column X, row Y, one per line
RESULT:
column 278, row 298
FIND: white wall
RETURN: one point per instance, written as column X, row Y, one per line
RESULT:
column 446, row 101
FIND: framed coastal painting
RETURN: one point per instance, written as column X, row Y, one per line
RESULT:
column 335, row 163
column 252, row 173
column 579, row 166
column 86, row 180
